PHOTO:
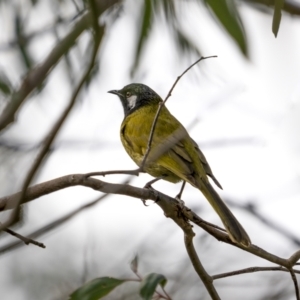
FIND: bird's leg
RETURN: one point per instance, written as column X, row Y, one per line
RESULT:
column 178, row 197
column 148, row 185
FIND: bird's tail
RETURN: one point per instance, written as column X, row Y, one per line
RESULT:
column 235, row 230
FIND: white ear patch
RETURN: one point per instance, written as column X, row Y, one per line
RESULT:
column 131, row 101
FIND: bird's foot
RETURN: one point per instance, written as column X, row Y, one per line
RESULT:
column 148, row 186
column 180, row 202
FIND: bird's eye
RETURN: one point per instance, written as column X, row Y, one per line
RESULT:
column 128, row 94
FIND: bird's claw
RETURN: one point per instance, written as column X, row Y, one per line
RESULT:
column 180, row 202
column 148, row 186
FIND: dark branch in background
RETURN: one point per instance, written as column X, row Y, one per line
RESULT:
column 252, row 209
column 169, row 205
column 36, row 33
column 98, row 32
column 205, row 277
column 292, row 272
column 25, row 240
column 36, row 76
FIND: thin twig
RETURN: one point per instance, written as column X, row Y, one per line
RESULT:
column 54, row 131
column 24, row 239
column 168, row 297
column 168, row 204
column 161, row 105
column 294, row 278
column 205, row 277
column 135, row 172
column 251, row 270
column 35, row 33
column 201, row 221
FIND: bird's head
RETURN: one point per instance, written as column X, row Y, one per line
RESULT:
column 136, row 95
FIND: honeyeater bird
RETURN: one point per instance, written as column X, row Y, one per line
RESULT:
column 174, row 155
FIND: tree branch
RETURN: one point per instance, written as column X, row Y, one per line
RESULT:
column 168, row 205
column 294, row 278
column 181, row 216
column 25, row 240
column 206, row 279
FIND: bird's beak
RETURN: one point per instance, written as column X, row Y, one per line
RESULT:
column 115, row 92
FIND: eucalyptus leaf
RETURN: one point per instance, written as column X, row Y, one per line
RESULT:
column 145, row 27
column 185, row 44
column 150, row 283
column 278, row 6
column 96, row 289
column 227, row 14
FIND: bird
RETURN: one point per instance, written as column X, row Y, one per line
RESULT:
column 174, row 156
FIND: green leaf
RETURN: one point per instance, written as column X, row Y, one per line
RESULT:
column 184, row 43
column 278, row 5
column 150, row 283
column 134, row 264
column 145, row 27
column 96, row 288
column 225, row 11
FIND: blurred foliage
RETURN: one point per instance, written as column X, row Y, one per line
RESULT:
column 277, row 16
column 226, row 13
column 100, row 287
column 150, row 283
column 96, row 289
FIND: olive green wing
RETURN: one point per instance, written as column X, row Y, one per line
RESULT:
column 183, row 153
column 169, row 151
column 172, row 148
